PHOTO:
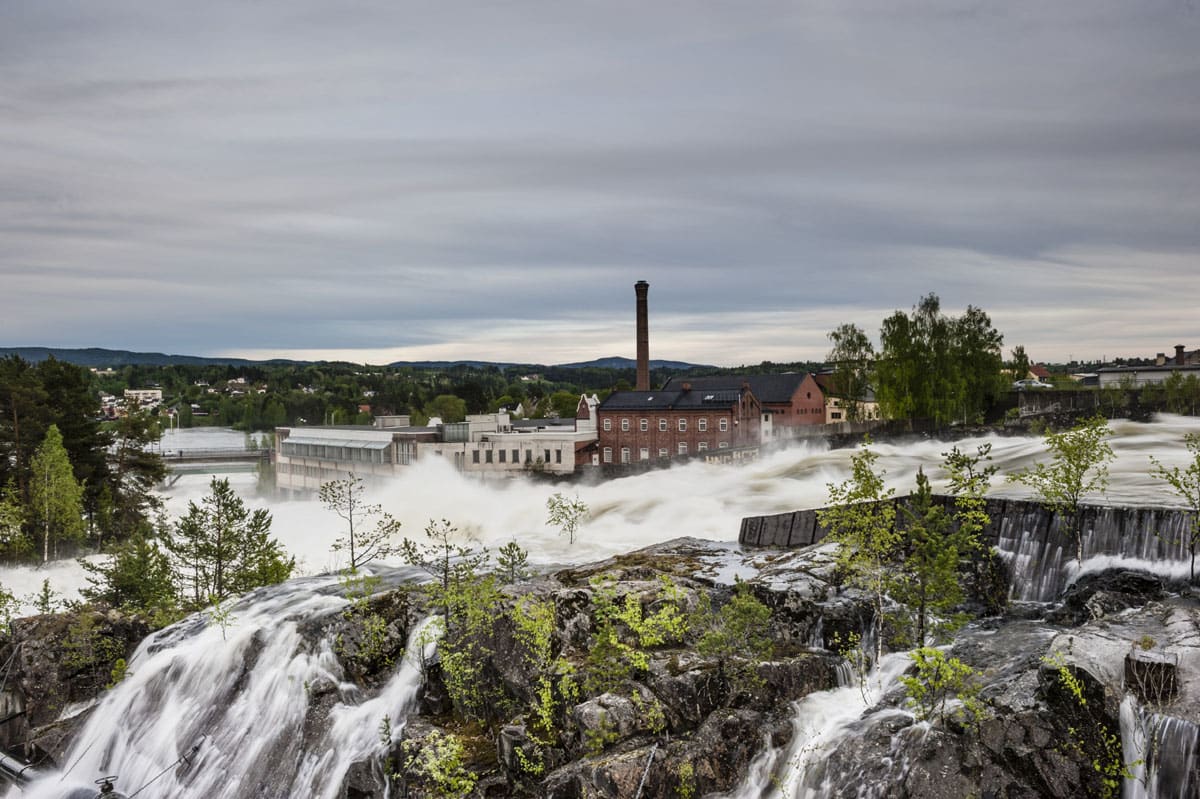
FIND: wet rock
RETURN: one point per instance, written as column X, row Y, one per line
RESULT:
column 1100, row 594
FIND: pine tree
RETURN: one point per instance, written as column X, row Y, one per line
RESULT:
column 221, row 549
column 927, row 578
column 55, row 496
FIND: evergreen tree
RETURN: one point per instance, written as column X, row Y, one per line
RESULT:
column 927, row 579
column 138, row 577
column 221, row 549
column 135, row 470
column 55, row 496
column 24, row 416
column 13, row 540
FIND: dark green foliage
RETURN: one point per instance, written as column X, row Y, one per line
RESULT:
column 934, row 366
column 512, row 563
column 221, row 549
column 136, row 469
column 852, row 357
column 926, row 580
column 738, row 635
column 137, row 578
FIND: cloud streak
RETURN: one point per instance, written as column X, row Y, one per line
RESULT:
column 402, row 181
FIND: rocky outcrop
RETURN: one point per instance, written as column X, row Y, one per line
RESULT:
column 58, row 665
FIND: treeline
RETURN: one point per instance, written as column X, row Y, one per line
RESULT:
column 929, row 365
column 265, row 396
column 67, row 481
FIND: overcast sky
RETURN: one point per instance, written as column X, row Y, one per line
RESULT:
column 390, row 180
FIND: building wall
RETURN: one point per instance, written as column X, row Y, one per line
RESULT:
column 835, row 411
column 633, row 435
column 805, row 407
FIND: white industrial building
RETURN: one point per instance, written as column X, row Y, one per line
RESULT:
column 491, row 445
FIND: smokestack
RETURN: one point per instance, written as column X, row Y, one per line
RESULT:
column 641, row 289
column 1179, row 354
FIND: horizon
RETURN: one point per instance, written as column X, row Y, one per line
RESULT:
column 403, row 182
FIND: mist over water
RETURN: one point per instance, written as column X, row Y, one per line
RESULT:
column 696, row 499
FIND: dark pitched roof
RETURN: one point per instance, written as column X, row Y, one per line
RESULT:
column 768, row 388
column 664, row 400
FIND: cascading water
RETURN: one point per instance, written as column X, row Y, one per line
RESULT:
column 1041, row 553
column 1160, row 752
column 820, row 721
column 229, row 713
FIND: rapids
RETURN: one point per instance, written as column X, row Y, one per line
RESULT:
column 234, row 700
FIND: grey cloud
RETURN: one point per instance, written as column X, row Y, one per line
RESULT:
column 309, row 175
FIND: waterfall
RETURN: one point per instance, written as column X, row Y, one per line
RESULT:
column 1162, row 750
column 242, row 711
column 820, row 721
column 1041, row 553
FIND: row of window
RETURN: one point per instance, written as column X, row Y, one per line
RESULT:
column 663, row 452
column 502, row 456
column 644, row 425
column 330, row 453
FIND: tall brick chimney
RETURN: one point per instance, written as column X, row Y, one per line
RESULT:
column 641, row 289
column 1179, row 357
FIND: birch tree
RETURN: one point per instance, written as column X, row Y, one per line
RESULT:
column 55, row 496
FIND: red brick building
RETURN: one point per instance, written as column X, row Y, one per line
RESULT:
column 791, row 400
column 638, row 426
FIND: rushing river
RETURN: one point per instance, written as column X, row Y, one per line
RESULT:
column 234, row 702
column 697, row 499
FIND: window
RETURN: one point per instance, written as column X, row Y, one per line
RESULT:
column 644, row 453
column 607, row 425
column 702, row 425
column 682, row 447
column 474, row 456
column 545, row 456
column 624, row 454
column 835, row 415
column 723, row 445
column 624, row 425
column 558, row 456
column 503, row 453
column 723, row 425
column 487, row 456
column 608, row 454
column 529, row 456
column 702, row 446
column 663, row 452
column 662, row 425
column 516, row 456
column 683, row 425
column 644, row 424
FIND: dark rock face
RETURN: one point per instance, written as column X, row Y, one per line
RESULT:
column 1094, row 596
column 61, row 660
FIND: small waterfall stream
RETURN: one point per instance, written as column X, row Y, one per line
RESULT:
column 820, row 721
column 231, row 713
column 1162, row 750
column 1041, row 553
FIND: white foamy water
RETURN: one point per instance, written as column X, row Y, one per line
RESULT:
column 224, row 713
column 696, row 499
column 820, row 720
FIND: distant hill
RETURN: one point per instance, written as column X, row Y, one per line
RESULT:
column 99, row 357
column 630, row 363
